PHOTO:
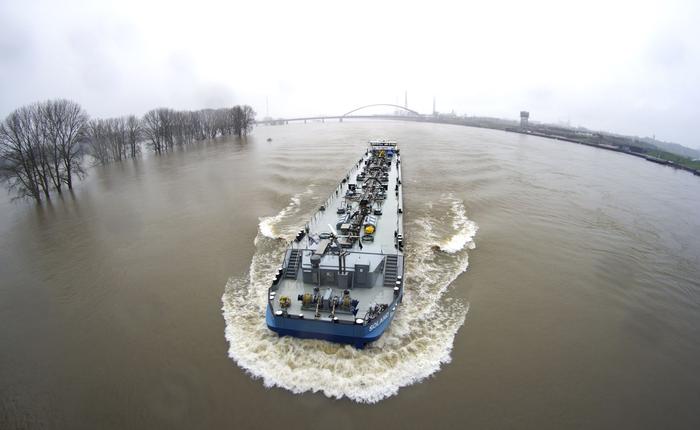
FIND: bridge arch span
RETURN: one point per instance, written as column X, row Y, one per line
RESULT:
column 382, row 104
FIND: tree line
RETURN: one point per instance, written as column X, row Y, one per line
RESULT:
column 43, row 145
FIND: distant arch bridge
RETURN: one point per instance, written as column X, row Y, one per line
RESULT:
column 349, row 114
column 383, row 104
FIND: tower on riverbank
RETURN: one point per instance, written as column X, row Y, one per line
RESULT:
column 524, row 117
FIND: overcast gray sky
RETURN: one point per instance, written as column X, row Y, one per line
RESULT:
column 623, row 66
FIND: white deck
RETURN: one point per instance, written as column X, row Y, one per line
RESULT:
column 387, row 223
column 371, row 253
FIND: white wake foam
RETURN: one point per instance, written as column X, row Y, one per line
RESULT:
column 465, row 230
column 416, row 345
column 268, row 225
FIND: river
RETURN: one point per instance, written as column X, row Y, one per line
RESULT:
column 549, row 285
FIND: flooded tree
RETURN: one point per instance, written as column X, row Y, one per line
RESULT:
column 243, row 119
column 208, row 117
column 40, row 147
column 20, row 154
column 113, row 139
column 163, row 128
column 151, row 130
column 65, row 124
column 117, row 138
column 134, row 133
column 158, row 128
column 97, row 140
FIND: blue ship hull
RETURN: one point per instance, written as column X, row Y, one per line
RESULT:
column 357, row 335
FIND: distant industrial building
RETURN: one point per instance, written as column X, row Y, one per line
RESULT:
column 524, row 117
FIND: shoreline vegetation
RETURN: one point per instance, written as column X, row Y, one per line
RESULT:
column 43, row 145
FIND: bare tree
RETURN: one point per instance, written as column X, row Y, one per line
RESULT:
column 113, row 139
column 97, row 137
column 134, row 132
column 40, row 147
column 243, row 119
column 50, row 119
column 159, row 129
column 118, row 138
column 167, row 126
column 207, row 123
column 183, row 127
column 151, row 130
column 63, row 123
column 19, row 154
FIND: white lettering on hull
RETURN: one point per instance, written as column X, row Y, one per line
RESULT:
column 376, row 324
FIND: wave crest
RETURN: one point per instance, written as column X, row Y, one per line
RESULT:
column 268, row 226
column 465, row 230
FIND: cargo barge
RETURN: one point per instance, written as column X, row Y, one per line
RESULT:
column 342, row 277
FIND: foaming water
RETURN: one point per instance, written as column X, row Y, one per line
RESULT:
column 464, row 228
column 415, row 346
column 268, row 225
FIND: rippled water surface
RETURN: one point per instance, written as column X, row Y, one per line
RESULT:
column 549, row 285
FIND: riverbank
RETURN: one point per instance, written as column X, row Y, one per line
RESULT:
column 611, row 142
column 659, row 159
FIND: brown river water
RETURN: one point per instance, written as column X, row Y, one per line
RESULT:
column 549, row 285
